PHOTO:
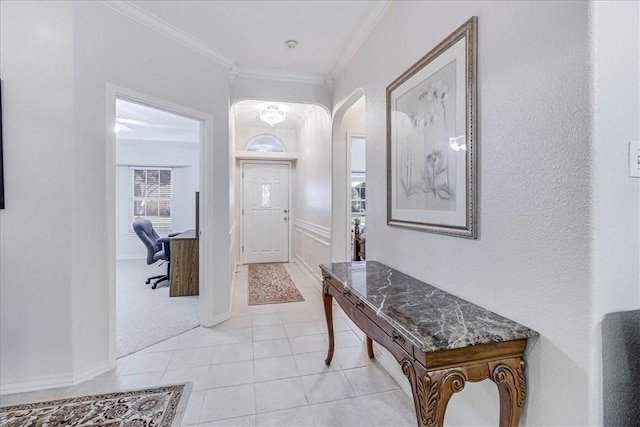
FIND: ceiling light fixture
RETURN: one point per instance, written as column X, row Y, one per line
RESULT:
column 291, row 44
column 272, row 114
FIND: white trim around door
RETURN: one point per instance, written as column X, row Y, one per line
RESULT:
column 206, row 301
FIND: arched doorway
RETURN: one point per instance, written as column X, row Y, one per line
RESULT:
column 348, row 184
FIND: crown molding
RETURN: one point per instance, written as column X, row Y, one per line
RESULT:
column 367, row 26
column 284, row 76
column 151, row 21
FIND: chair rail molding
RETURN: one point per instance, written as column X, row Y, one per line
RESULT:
column 321, row 231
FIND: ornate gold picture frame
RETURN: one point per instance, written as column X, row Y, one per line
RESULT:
column 431, row 140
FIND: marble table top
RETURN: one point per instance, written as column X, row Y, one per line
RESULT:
column 430, row 318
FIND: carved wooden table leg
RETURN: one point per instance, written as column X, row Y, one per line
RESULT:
column 327, row 299
column 432, row 391
column 508, row 375
column 370, row 347
column 418, row 393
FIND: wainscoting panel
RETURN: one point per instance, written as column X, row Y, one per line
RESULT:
column 312, row 247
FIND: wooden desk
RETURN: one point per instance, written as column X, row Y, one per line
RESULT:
column 184, row 266
column 439, row 340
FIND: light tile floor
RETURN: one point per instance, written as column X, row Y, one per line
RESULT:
column 263, row 367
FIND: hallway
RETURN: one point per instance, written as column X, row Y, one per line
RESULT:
column 263, row 367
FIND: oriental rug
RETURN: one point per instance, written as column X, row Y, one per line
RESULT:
column 151, row 407
column 271, row 284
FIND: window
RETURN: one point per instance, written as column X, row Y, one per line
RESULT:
column 358, row 195
column 266, row 196
column 152, row 193
column 266, row 143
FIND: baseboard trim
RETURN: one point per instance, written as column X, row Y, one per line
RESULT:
column 38, row 383
column 220, row 318
column 46, row 382
column 92, row 372
column 234, row 272
column 391, row 365
column 305, row 269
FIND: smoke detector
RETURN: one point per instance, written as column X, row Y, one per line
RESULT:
column 291, row 44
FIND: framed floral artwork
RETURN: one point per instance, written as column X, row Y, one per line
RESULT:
column 431, row 140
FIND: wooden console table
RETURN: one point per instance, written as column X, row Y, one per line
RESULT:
column 184, row 268
column 441, row 341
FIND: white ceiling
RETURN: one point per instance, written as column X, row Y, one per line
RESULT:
column 141, row 122
column 247, row 114
column 252, row 34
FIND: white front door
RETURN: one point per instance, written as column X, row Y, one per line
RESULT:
column 265, row 212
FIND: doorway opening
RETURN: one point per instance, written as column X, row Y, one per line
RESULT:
column 349, row 195
column 157, row 184
column 358, row 196
column 282, row 199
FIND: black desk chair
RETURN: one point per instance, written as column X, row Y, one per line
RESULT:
column 157, row 247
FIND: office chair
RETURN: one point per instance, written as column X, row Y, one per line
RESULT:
column 157, row 247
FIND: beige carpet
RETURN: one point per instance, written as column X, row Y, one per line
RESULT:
column 146, row 316
column 271, row 284
column 159, row 407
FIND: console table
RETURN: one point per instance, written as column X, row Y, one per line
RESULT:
column 441, row 341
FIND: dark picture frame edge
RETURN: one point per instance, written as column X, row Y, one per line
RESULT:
column 1, row 153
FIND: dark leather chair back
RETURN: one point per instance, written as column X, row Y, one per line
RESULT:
column 144, row 230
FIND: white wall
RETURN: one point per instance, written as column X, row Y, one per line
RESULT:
column 234, row 231
column 616, row 197
column 57, row 59
column 275, row 89
column 36, row 66
column 531, row 262
column 184, row 158
column 312, row 192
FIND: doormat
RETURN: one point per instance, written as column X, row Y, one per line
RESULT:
column 271, row 284
column 158, row 406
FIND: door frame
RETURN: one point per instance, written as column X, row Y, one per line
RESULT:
column 349, row 136
column 206, row 300
column 289, row 165
column 340, row 228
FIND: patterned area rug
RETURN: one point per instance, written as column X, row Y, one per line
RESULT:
column 271, row 284
column 151, row 407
